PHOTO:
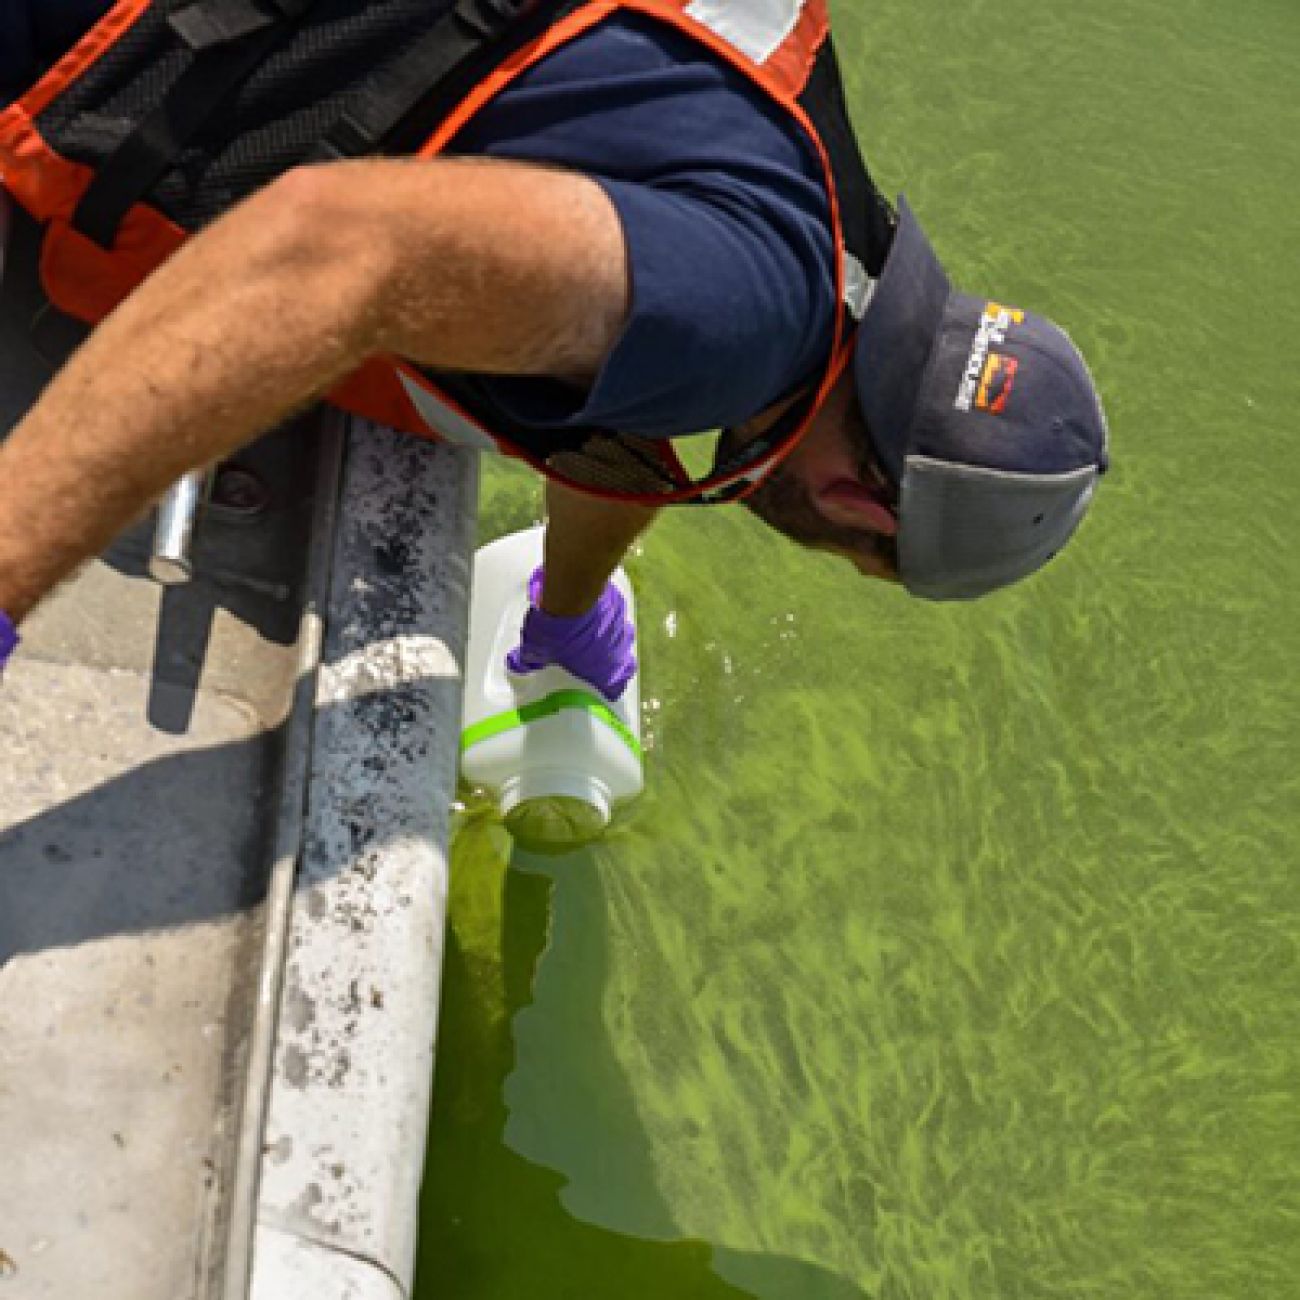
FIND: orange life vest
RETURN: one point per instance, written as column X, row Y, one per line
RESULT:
column 167, row 113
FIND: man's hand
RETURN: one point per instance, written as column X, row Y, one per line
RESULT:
column 8, row 640
column 596, row 646
column 578, row 619
column 470, row 265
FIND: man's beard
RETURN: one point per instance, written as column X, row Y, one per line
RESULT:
column 782, row 502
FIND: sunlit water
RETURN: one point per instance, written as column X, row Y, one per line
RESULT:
column 952, row 951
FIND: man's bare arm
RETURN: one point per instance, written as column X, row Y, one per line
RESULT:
column 465, row 265
column 586, row 539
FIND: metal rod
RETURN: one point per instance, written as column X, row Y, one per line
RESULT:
column 170, row 562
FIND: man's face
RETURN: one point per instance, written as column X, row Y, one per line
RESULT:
column 829, row 495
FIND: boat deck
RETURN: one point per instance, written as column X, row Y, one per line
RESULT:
column 223, row 823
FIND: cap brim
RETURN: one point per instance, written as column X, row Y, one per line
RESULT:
column 966, row 530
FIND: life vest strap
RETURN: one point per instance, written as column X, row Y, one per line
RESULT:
column 135, row 166
column 462, row 34
column 456, row 37
column 208, row 23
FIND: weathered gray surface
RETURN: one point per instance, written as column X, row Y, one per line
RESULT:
column 128, row 920
column 139, row 810
column 295, row 1268
column 354, row 1056
column 152, row 811
column 144, row 738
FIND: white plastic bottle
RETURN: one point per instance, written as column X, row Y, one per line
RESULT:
column 558, row 756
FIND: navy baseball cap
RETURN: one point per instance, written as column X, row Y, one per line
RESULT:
column 984, row 418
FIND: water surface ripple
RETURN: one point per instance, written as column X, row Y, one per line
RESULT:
column 952, row 954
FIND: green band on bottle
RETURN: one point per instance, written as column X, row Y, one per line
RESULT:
column 557, row 702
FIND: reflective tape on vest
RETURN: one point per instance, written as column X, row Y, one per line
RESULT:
column 757, row 28
column 858, row 286
column 449, row 423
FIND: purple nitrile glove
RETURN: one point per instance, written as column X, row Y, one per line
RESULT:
column 596, row 646
column 8, row 639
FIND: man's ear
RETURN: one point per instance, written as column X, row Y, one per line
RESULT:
column 851, row 504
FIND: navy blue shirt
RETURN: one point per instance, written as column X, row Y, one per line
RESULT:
column 720, row 198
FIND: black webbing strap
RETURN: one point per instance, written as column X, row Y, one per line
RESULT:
column 458, row 35
column 218, row 22
column 132, row 169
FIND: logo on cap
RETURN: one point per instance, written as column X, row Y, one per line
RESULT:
column 983, row 367
column 996, row 383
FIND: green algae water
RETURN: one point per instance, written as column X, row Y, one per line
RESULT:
column 952, row 953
